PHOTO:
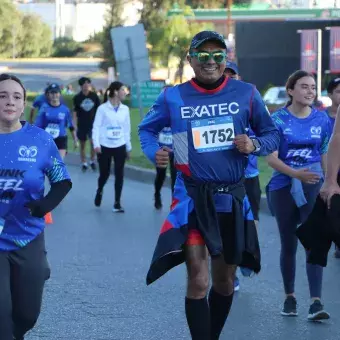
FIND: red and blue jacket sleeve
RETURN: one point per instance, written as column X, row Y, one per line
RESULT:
column 263, row 126
column 157, row 118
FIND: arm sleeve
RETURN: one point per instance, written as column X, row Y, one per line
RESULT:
column 263, row 126
column 155, row 120
column 127, row 132
column 96, row 127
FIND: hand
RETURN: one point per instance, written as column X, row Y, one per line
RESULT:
column 36, row 208
column 98, row 149
column 306, row 176
column 244, row 144
column 328, row 190
column 128, row 155
column 162, row 157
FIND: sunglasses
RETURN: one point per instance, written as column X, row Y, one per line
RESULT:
column 219, row 57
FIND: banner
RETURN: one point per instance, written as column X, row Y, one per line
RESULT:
column 309, row 50
column 334, row 52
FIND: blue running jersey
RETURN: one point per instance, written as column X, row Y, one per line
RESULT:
column 27, row 156
column 204, row 124
column 303, row 141
column 54, row 120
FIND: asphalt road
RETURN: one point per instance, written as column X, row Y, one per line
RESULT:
column 35, row 75
column 99, row 262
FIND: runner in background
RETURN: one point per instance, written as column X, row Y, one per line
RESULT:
column 165, row 141
column 333, row 90
column 85, row 105
column 299, row 168
column 252, row 180
column 55, row 118
column 111, row 135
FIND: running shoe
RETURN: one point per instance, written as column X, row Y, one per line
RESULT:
column 317, row 312
column 84, row 167
column 236, row 284
column 289, row 307
column 246, row 272
column 93, row 166
column 98, row 198
column 158, row 202
column 117, row 208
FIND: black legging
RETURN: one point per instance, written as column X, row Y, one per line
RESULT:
column 104, row 161
column 161, row 174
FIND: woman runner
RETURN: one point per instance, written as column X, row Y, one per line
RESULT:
column 111, row 136
column 298, row 166
column 28, row 154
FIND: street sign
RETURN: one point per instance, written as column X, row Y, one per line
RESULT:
column 149, row 91
column 131, row 55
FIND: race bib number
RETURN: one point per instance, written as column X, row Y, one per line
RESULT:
column 213, row 134
column 165, row 138
column 114, row 132
column 2, row 224
column 53, row 130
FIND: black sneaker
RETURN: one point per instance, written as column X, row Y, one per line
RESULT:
column 93, row 166
column 117, row 208
column 158, row 202
column 316, row 312
column 289, row 307
column 84, row 167
column 98, row 198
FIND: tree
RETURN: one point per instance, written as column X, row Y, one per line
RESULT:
column 113, row 18
column 154, row 13
column 35, row 39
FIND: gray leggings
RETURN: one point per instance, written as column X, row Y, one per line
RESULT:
column 22, row 280
column 287, row 217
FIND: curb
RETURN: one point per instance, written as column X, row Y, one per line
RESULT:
column 147, row 176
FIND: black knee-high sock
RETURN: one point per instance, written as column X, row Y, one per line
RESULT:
column 219, row 310
column 198, row 318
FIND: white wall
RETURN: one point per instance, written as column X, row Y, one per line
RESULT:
column 79, row 21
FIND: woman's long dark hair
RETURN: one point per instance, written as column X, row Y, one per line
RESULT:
column 292, row 80
column 5, row 76
column 110, row 91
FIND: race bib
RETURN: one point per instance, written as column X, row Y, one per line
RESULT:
column 165, row 138
column 213, row 134
column 53, row 130
column 2, row 224
column 113, row 132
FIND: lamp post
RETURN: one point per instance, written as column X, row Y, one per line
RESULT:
column 229, row 5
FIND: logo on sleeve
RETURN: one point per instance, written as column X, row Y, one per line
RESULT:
column 315, row 131
column 28, row 154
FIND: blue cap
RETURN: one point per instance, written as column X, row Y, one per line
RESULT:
column 204, row 36
column 232, row 66
column 53, row 88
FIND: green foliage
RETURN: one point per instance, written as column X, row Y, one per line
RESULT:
column 66, row 47
column 24, row 35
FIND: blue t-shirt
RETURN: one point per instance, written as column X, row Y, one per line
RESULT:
column 204, row 124
column 302, row 142
column 28, row 155
column 39, row 101
column 54, row 119
column 252, row 167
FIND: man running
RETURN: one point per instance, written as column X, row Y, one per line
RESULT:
column 85, row 103
column 208, row 116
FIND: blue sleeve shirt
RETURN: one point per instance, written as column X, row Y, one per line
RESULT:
column 302, row 141
column 54, row 119
column 29, row 155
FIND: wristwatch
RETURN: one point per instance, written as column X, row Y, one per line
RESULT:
column 256, row 144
